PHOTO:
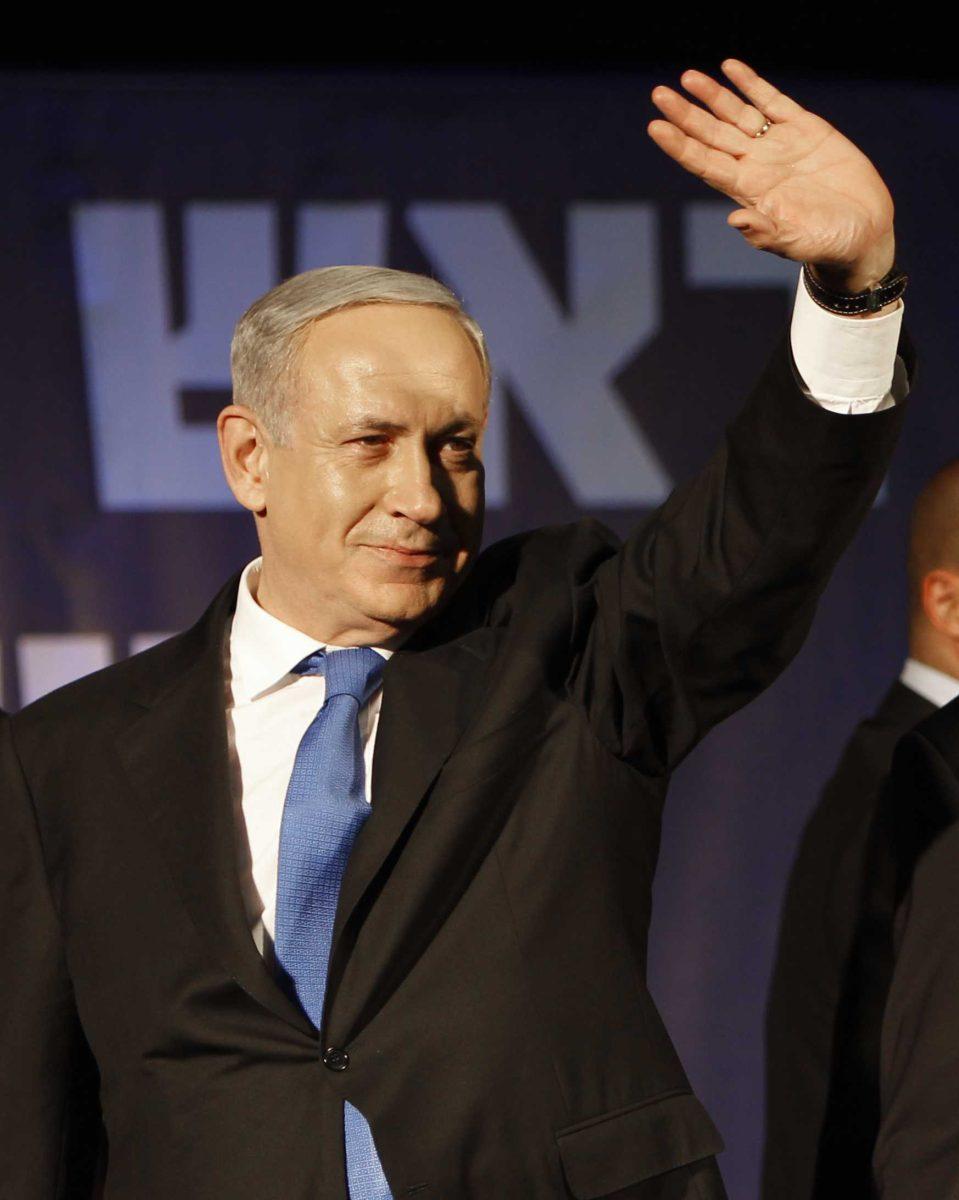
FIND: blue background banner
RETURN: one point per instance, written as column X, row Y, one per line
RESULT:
column 626, row 323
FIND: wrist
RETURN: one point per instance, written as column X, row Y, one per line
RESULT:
column 862, row 274
column 868, row 286
column 871, row 302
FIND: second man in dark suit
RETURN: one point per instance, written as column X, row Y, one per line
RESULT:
column 917, row 1151
column 834, row 960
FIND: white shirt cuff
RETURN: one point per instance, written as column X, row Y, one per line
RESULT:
column 846, row 363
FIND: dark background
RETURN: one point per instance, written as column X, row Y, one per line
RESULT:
column 855, row 40
column 534, row 111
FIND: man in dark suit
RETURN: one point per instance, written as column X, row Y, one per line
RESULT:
column 917, row 1151
column 305, row 969
column 834, row 960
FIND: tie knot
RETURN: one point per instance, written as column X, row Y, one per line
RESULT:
column 355, row 672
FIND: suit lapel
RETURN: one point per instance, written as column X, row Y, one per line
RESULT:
column 177, row 758
column 428, row 697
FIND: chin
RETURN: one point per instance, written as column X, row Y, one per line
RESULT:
column 402, row 605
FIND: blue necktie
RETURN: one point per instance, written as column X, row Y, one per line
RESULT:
column 325, row 809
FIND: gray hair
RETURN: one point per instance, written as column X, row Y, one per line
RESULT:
column 268, row 336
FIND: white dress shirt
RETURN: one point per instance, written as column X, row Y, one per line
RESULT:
column 269, row 710
column 847, row 365
column 933, row 685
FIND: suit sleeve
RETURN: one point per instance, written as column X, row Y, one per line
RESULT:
column 702, row 607
column 917, row 1151
column 49, row 1113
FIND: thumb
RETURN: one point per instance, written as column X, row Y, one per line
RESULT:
column 758, row 229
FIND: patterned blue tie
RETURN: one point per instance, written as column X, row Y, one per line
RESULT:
column 325, row 809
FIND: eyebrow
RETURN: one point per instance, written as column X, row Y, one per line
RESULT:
column 382, row 425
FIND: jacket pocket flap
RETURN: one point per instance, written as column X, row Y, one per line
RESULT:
column 610, row 1152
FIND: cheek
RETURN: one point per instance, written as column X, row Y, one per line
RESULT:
column 468, row 512
column 326, row 503
column 339, row 489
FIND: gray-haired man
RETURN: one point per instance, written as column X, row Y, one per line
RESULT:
column 311, row 968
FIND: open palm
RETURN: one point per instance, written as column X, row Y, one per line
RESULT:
column 805, row 191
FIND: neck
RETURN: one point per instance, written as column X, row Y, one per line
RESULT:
column 290, row 603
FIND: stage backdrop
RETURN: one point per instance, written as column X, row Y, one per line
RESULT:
column 626, row 322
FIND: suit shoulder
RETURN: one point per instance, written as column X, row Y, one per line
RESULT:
column 851, row 795
column 575, row 544
column 92, row 702
column 536, row 572
column 96, row 696
column 869, row 751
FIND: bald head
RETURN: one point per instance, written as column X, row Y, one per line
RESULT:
column 934, row 532
column 934, row 572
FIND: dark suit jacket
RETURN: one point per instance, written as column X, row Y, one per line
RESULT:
column 488, row 972
column 832, row 972
column 917, row 1153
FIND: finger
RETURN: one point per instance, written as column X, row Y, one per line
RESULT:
column 758, row 229
column 698, row 123
column 714, row 167
column 768, row 99
column 723, row 103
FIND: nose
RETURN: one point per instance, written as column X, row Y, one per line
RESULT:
column 413, row 492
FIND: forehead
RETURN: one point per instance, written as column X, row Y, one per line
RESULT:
column 398, row 355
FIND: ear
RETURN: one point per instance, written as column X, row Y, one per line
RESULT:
column 940, row 601
column 245, row 454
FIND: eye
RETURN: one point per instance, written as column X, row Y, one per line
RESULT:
column 372, row 440
column 462, row 445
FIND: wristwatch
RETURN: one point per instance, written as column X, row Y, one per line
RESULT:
column 850, row 304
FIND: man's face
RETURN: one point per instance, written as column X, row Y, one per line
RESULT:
column 374, row 508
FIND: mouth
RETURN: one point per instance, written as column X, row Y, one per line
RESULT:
column 405, row 556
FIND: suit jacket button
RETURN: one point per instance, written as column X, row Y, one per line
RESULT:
column 336, row 1059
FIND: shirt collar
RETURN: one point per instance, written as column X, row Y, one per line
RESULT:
column 264, row 649
column 933, row 685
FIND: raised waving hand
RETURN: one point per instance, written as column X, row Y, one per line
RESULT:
column 805, row 191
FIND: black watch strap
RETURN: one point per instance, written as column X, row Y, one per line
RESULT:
column 850, row 304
